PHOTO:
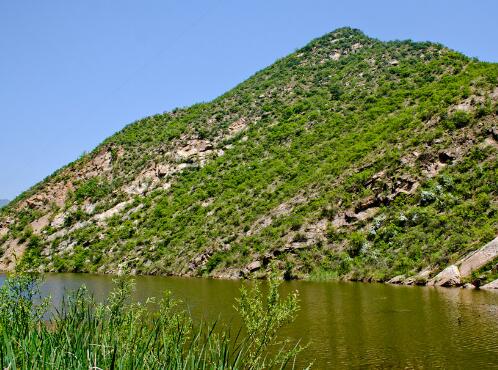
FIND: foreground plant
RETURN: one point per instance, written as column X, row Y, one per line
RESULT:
column 118, row 334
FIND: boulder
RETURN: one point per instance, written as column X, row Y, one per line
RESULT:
column 468, row 286
column 368, row 202
column 162, row 170
column 478, row 258
column 492, row 285
column 253, row 266
column 350, row 216
column 445, row 157
column 419, row 279
column 494, row 132
column 450, row 276
column 397, row 279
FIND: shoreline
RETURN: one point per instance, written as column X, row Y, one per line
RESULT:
column 468, row 286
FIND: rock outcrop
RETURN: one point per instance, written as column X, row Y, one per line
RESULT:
column 397, row 279
column 450, row 276
column 419, row 279
column 11, row 255
column 492, row 285
column 253, row 266
column 478, row 258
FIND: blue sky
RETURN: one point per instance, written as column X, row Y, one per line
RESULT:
column 74, row 72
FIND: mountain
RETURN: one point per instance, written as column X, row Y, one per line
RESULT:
column 3, row 202
column 349, row 158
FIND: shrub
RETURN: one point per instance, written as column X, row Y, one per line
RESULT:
column 356, row 242
column 92, row 189
column 458, row 119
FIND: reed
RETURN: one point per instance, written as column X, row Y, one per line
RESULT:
column 119, row 334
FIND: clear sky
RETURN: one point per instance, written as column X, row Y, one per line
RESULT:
column 74, row 72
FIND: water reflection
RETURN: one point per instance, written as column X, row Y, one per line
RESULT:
column 348, row 325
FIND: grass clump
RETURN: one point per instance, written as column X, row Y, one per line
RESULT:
column 120, row 334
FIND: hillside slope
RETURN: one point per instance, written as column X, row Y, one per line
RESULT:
column 350, row 157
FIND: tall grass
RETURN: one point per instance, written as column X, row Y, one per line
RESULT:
column 119, row 334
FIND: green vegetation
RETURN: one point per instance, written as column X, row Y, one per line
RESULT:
column 92, row 189
column 486, row 274
column 119, row 334
column 354, row 158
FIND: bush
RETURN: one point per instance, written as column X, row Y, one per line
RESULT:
column 458, row 119
column 92, row 189
column 356, row 242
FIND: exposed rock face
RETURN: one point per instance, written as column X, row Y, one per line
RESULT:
column 230, row 274
column 39, row 224
column 194, row 147
column 12, row 253
column 111, row 212
column 492, row 285
column 58, row 220
column 3, row 231
column 56, row 192
column 478, row 258
column 397, row 279
column 237, row 126
column 450, row 276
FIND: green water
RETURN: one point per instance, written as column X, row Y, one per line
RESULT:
column 349, row 325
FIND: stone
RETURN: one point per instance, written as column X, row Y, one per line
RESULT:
column 58, row 220
column 253, row 266
column 163, row 170
column 229, row 274
column 446, row 156
column 397, row 279
column 419, row 279
column 450, row 276
column 368, row 202
column 494, row 132
column 367, row 214
column 492, row 285
column 335, row 56
column 468, row 286
column 350, row 216
column 267, row 258
column 478, row 258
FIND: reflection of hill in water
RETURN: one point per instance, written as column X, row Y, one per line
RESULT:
column 347, row 325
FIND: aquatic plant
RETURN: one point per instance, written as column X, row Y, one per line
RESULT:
column 120, row 334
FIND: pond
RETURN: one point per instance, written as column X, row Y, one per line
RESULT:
column 347, row 325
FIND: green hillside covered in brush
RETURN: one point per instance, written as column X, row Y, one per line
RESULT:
column 349, row 158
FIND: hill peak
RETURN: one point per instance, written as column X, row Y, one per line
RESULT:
column 349, row 157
